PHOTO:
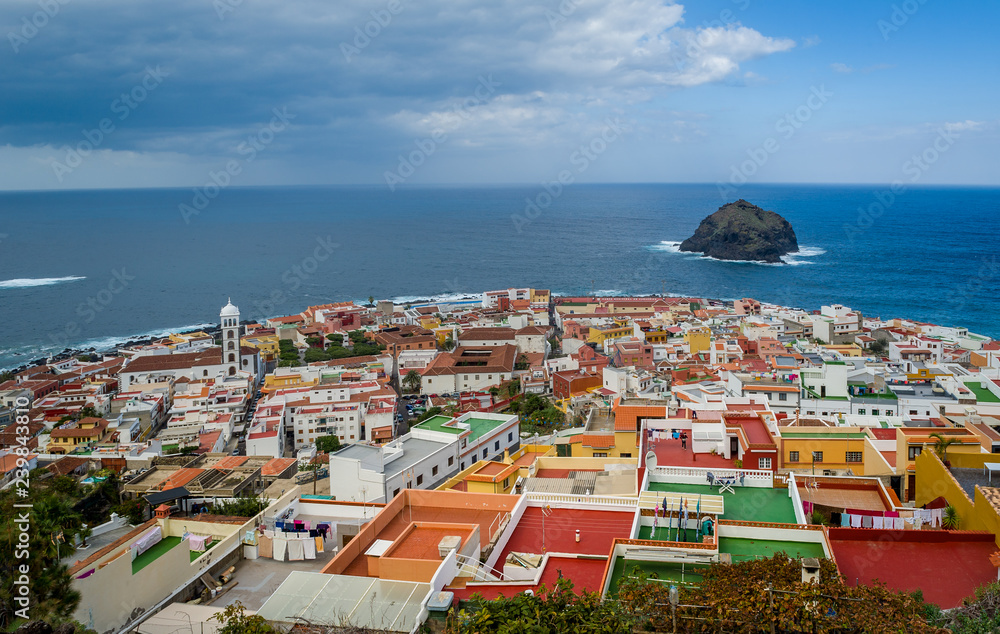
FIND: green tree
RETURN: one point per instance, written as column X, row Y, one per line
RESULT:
column 449, row 343
column 941, row 444
column 328, row 444
column 87, row 412
column 313, row 355
column 522, row 362
column 371, row 300
column 769, row 595
column 951, row 520
column 412, row 381
column 560, row 610
column 133, row 510
column 235, row 620
column 243, row 506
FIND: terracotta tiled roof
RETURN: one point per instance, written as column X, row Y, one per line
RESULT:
column 598, row 441
column 486, row 334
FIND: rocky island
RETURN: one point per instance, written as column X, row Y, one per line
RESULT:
column 743, row 231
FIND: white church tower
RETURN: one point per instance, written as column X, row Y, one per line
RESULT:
column 230, row 319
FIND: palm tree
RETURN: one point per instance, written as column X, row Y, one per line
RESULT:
column 941, row 444
column 371, row 300
column 951, row 520
column 412, row 381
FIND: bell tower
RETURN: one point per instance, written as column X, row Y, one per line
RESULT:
column 229, row 318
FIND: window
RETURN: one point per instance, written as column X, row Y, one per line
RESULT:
column 782, row 397
column 914, row 452
column 434, row 470
column 496, row 446
column 506, row 482
column 861, row 411
column 817, row 456
column 600, row 454
column 625, row 455
column 764, row 463
column 395, row 493
column 463, row 443
column 451, row 460
column 853, row 456
column 420, row 479
column 484, row 454
column 793, row 456
column 510, row 437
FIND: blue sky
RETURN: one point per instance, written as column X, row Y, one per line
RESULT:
column 507, row 91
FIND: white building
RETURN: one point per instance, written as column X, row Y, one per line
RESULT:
column 366, row 473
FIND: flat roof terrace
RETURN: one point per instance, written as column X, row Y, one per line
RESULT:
column 947, row 566
column 739, row 549
column 598, row 530
column 745, row 504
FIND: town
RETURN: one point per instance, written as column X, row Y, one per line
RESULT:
column 397, row 466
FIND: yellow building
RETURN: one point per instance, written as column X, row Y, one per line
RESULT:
column 621, row 329
column 273, row 383
column 621, row 444
column 266, row 344
column 484, row 477
column 814, row 450
column 698, row 339
column 848, row 350
column 85, row 433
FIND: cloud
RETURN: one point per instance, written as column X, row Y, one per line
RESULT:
column 361, row 80
column 839, row 67
column 964, row 126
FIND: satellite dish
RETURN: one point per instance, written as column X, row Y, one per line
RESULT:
column 651, row 460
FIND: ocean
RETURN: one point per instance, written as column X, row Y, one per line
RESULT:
column 92, row 268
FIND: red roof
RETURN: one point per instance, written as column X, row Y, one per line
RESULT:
column 598, row 441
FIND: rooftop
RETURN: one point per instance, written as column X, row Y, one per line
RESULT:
column 746, row 504
column 947, row 567
column 414, row 450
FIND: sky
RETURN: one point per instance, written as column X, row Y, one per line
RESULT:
column 399, row 93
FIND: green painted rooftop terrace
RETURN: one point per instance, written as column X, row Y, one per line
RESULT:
column 983, row 395
column 161, row 547
column 477, row 426
column 740, row 549
column 745, row 504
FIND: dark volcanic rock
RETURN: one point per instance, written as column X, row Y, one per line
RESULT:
column 742, row 231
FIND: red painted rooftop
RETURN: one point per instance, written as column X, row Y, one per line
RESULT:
column 669, row 453
column 598, row 529
column 947, row 566
column 586, row 574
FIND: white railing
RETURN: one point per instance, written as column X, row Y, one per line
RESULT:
column 694, row 475
column 500, row 521
column 589, row 500
column 793, row 492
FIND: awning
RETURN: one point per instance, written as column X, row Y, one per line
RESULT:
column 155, row 499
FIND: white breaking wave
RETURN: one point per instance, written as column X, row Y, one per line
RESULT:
column 28, row 282
column 672, row 247
column 790, row 259
column 433, row 299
